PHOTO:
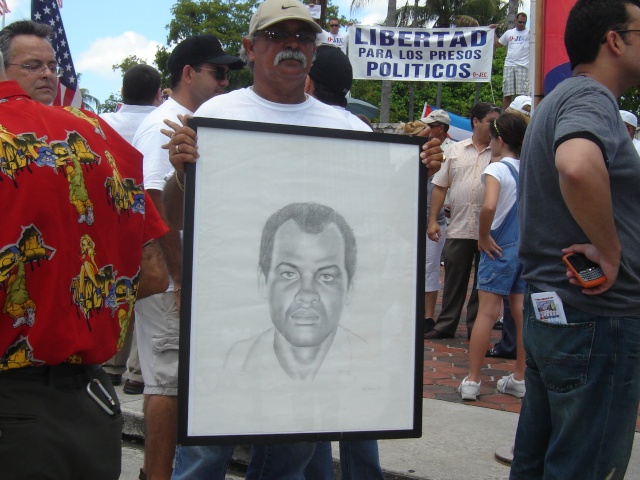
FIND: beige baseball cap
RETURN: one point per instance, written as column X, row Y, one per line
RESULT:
column 439, row 116
column 271, row 12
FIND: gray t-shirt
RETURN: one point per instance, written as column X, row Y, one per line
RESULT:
column 578, row 108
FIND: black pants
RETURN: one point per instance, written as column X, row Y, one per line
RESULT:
column 51, row 428
column 459, row 255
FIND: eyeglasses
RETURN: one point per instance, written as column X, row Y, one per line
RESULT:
column 40, row 69
column 604, row 40
column 626, row 31
column 334, row 24
column 219, row 74
column 435, row 125
column 280, row 35
column 521, row 22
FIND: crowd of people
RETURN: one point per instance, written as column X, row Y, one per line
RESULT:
column 506, row 203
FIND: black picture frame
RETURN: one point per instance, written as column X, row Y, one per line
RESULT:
column 246, row 172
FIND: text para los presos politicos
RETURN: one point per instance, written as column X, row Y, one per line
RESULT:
column 437, row 55
column 419, row 70
column 417, row 38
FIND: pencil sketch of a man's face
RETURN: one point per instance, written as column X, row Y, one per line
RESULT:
column 307, row 286
column 307, row 283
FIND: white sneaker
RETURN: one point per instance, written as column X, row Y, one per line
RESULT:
column 511, row 386
column 469, row 390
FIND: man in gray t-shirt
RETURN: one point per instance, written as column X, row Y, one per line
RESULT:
column 579, row 193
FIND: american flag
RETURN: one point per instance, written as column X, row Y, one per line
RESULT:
column 4, row 8
column 48, row 12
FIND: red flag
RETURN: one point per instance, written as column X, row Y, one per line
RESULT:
column 48, row 12
column 4, row 8
column 555, row 61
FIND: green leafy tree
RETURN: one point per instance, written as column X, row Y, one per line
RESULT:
column 111, row 103
column 127, row 63
column 226, row 19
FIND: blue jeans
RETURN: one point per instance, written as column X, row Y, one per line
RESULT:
column 507, row 343
column 358, row 461
column 283, row 461
column 583, row 386
column 202, row 462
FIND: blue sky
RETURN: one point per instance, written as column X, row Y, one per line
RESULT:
column 102, row 33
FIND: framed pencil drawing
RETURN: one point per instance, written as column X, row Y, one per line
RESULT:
column 302, row 290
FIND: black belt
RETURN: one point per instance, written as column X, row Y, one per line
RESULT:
column 63, row 375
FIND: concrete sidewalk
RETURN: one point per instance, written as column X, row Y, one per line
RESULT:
column 458, row 443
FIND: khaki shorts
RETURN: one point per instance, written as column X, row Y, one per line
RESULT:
column 157, row 333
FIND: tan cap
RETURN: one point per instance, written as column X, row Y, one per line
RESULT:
column 439, row 116
column 271, row 12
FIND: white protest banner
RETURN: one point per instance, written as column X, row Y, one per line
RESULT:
column 421, row 55
column 315, row 11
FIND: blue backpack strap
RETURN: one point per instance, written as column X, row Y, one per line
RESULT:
column 514, row 174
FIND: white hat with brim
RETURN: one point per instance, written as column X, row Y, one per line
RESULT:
column 520, row 102
column 271, row 12
column 629, row 118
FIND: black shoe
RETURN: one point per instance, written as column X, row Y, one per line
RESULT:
column 116, row 378
column 133, row 387
column 436, row 335
column 493, row 353
column 429, row 324
column 498, row 325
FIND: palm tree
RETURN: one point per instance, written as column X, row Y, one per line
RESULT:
column 514, row 5
column 385, row 97
column 445, row 13
column 89, row 102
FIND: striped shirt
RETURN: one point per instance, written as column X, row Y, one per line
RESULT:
column 461, row 174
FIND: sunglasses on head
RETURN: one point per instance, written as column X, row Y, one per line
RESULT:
column 280, row 35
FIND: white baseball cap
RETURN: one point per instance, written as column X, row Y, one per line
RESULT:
column 519, row 103
column 629, row 118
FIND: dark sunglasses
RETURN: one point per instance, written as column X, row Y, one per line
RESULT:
column 334, row 24
column 280, row 35
column 521, row 22
column 218, row 73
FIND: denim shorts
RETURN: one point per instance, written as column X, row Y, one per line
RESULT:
column 157, row 334
column 503, row 275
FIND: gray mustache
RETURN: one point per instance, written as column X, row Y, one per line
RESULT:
column 290, row 55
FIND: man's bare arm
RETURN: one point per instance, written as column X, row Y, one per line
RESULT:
column 435, row 205
column 584, row 183
column 153, row 271
column 173, row 201
column 170, row 242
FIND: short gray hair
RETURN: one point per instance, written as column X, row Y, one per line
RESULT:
column 22, row 27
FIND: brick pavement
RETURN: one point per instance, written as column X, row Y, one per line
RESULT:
column 446, row 363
